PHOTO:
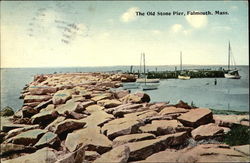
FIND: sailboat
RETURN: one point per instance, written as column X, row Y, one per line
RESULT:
column 182, row 76
column 146, row 86
column 231, row 74
column 143, row 78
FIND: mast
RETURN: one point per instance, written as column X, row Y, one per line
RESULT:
column 181, row 61
column 229, row 51
column 140, row 64
column 144, row 67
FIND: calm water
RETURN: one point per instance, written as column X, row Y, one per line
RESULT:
column 227, row 94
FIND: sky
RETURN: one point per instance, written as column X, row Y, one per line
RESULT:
column 108, row 33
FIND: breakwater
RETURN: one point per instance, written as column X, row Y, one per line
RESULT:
column 76, row 117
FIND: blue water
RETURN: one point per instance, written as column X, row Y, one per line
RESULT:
column 227, row 94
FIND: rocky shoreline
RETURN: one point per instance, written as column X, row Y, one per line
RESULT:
column 77, row 118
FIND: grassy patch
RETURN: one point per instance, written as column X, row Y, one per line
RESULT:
column 229, row 112
column 239, row 135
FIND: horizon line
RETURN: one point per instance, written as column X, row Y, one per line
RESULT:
column 126, row 65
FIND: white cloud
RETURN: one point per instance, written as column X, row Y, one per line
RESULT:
column 176, row 28
column 197, row 21
column 130, row 14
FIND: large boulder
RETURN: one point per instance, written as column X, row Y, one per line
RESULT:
column 44, row 117
column 132, row 138
column 60, row 97
column 142, row 149
column 200, row 153
column 69, row 107
column 48, row 139
column 36, row 98
column 121, row 93
column 172, row 110
column 119, row 155
column 45, row 155
column 138, row 97
column 89, row 137
column 98, row 118
column 8, row 149
column 101, row 97
column 196, row 117
column 121, row 126
column 51, row 127
column 7, row 111
column 109, row 103
column 17, row 131
column 27, row 138
column 68, row 125
column 230, row 120
column 74, row 157
column 91, row 156
column 207, row 131
column 162, row 127
column 94, row 108
column 41, row 90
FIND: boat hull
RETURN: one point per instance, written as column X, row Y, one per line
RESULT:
column 149, row 87
column 230, row 76
column 142, row 80
column 183, row 77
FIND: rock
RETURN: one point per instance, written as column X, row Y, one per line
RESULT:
column 50, row 107
column 128, row 78
column 45, row 155
column 31, row 104
column 8, row 149
column 74, row 157
column 17, row 131
column 121, row 126
column 172, row 110
column 196, row 117
column 207, row 131
column 89, row 137
column 43, row 105
column 182, row 104
column 18, row 114
column 68, row 125
column 7, row 124
column 169, row 155
column 86, row 104
column 49, row 139
column 44, row 117
column 41, row 90
column 144, row 116
column 119, row 154
column 28, row 137
column 243, row 149
column 163, row 127
column 94, row 108
column 142, row 149
column 60, row 97
column 229, row 120
column 75, row 115
column 36, row 98
column 91, row 155
column 119, row 111
column 52, row 126
column 98, row 118
column 102, row 97
column 138, row 97
column 132, row 138
column 69, row 107
column 109, row 103
column 121, row 93
column 2, row 135
column 40, row 78
column 7, row 111
column 158, row 106
column 28, row 112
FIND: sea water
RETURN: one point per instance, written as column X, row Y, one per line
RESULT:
column 227, row 94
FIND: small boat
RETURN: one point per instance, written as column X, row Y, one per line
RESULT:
column 149, row 87
column 182, row 76
column 231, row 74
column 142, row 80
column 146, row 86
column 131, row 85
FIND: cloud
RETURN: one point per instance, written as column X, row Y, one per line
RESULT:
column 197, row 21
column 129, row 15
column 176, row 28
